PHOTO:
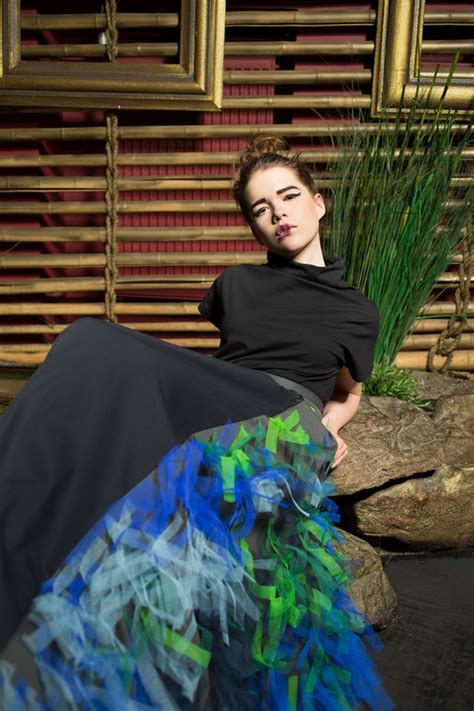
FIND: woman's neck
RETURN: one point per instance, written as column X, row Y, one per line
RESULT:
column 311, row 254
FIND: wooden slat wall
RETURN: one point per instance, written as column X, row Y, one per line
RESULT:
column 299, row 73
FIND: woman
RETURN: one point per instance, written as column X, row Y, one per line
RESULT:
column 168, row 540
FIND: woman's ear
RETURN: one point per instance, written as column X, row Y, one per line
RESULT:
column 321, row 207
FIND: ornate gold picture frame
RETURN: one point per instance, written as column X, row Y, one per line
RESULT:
column 194, row 83
column 397, row 72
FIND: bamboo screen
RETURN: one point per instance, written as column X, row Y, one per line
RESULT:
column 129, row 215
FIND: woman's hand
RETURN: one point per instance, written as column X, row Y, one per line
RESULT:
column 340, row 409
column 341, row 450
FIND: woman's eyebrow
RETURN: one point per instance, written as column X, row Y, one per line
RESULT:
column 278, row 192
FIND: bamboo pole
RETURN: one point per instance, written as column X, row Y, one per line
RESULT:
column 462, row 360
column 13, row 261
column 35, row 183
column 98, row 309
column 344, row 100
column 240, row 18
column 129, row 234
column 425, row 341
column 45, row 348
column 97, row 206
column 284, row 18
column 436, row 325
column 297, row 49
column 324, row 47
column 157, row 282
column 155, row 327
column 138, row 206
column 171, row 49
column 296, row 77
column 89, row 21
column 92, row 133
column 152, row 309
column 83, row 51
column 51, row 285
column 227, row 158
column 28, row 184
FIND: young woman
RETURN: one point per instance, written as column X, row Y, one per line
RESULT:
column 167, row 537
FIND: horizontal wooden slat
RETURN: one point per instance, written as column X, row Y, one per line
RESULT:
column 344, row 100
column 64, row 208
column 92, row 133
column 144, row 49
column 170, row 49
column 136, row 206
column 296, row 77
column 151, row 309
column 413, row 342
column 27, row 184
column 155, row 327
column 462, row 360
column 426, row 340
column 16, row 261
column 239, row 18
column 89, row 21
column 44, row 348
column 129, row 234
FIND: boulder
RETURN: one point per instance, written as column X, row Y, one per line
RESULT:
column 370, row 589
column 453, row 419
column 387, row 439
column 428, row 513
column 434, row 385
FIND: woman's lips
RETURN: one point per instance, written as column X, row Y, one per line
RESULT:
column 284, row 230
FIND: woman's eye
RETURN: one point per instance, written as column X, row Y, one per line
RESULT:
column 259, row 212
column 290, row 196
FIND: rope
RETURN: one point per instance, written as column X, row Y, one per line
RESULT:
column 111, row 216
column 111, row 31
column 449, row 338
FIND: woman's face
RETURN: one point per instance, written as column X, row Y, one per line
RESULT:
column 285, row 214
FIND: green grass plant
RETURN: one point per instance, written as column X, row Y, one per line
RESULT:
column 388, row 380
column 397, row 217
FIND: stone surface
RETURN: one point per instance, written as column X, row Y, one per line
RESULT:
column 386, row 439
column 453, row 419
column 434, row 512
column 434, row 385
column 371, row 589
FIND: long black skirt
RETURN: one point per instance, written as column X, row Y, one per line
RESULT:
column 168, row 538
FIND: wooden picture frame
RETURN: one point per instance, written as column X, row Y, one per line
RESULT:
column 194, row 83
column 397, row 75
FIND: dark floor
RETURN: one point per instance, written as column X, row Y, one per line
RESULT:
column 428, row 658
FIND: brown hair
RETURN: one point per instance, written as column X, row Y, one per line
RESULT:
column 265, row 152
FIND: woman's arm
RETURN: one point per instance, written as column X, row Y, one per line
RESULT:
column 341, row 408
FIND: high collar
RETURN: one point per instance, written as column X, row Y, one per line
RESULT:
column 332, row 272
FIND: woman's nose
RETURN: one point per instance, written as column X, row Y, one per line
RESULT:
column 278, row 215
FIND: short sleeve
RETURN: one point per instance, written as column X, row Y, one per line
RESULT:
column 210, row 307
column 360, row 340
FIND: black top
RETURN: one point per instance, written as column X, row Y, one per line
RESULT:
column 299, row 321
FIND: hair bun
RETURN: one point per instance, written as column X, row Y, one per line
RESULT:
column 260, row 144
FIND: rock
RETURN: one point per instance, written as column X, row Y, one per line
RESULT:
column 453, row 419
column 428, row 513
column 371, row 589
column 434, row 385
column 387, row 439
